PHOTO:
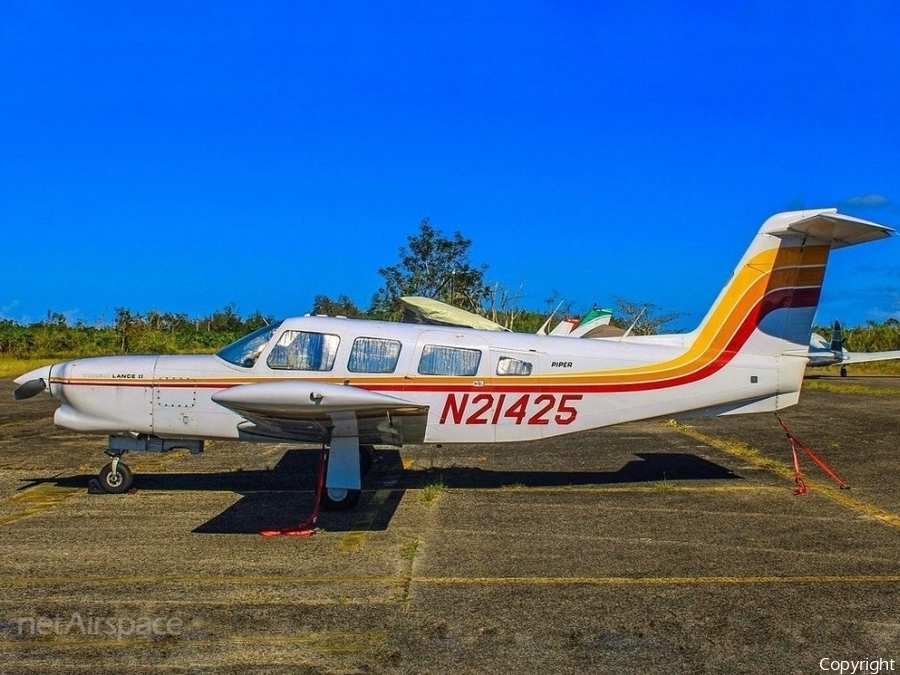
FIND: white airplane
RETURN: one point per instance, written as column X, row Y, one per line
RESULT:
column 348, row 382
column 824, row 352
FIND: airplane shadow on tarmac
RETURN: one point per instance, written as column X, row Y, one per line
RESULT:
column 284, row 495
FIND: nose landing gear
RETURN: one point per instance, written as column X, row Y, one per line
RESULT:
column 115, row 478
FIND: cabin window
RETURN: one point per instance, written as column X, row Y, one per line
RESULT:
column 300, row 350
column 374, row 355
column 439, row 360
column 510, row 366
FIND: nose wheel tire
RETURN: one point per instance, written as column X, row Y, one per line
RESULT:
column 115, row 482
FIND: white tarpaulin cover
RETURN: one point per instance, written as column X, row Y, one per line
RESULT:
column 418, row 309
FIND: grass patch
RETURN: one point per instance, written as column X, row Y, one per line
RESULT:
column 432, row 491
column 664, row 485
column 841, row 387
column 518, row 485
column 409, row 551
column 736, row 448
column 12, row 368
column 889, row 367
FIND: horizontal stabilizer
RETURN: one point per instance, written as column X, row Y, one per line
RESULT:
column 826, row 225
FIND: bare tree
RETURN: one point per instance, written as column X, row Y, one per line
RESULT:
column 643, row 317
column 503, row 305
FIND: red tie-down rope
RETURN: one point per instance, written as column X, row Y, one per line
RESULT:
column 798, row 476
column 308, row 527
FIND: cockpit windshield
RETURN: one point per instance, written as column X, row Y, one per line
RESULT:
column 245, row 351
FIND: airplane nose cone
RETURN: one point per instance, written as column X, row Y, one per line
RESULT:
column 32, row 383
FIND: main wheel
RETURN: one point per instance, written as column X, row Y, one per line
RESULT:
column 340, row 499
column 115, row 483
column 843, row 371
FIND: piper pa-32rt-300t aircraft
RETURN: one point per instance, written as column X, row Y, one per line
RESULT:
column 347, row 382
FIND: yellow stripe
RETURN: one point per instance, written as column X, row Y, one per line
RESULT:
column 37, row 499
column 203, row 580
column 661, row 581
column 786, row 471
column 318, row 641
column 354, row 539
column 484, row 580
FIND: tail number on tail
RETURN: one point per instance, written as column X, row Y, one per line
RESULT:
column 489, row 408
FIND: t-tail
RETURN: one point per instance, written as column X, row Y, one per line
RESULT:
column 764, row 314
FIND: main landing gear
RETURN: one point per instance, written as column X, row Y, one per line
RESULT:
column 343, row 499
column 359, row 458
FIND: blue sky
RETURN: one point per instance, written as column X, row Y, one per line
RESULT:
column 182, row 156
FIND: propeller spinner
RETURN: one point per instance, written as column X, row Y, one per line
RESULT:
column 29, row 389
column 32, row 384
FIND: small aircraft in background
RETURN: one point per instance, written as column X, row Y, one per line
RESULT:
column 592, row 324
column 351, row 383
column 824, row 352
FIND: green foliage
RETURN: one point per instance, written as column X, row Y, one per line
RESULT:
column 433, row 266
column 131, row 332
column 872, row 337
column 343, row 306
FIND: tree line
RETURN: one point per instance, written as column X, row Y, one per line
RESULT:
column 153, row 332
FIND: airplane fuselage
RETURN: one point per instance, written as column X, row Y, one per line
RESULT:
column 477, row 386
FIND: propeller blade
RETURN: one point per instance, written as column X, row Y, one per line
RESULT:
column 29, row 389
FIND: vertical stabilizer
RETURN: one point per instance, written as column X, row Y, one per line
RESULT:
column 767, row 308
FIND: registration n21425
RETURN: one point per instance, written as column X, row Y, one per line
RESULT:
column 499, row 408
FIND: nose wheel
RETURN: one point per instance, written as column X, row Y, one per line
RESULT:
column 115, row 478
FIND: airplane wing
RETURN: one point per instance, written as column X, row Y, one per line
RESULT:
column 309, row 411
column 863, row 357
